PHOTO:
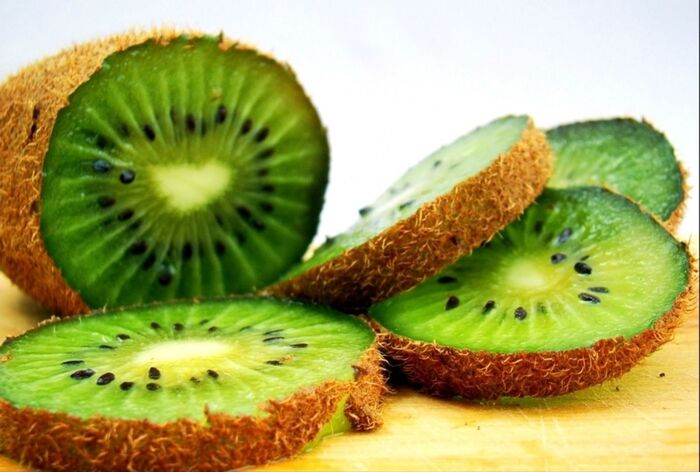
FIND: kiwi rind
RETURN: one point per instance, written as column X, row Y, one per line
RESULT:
column 29, row 104
column 445, row 371
column 437, row 234
column 58, row 441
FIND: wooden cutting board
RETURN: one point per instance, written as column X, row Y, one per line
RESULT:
column 648, row 420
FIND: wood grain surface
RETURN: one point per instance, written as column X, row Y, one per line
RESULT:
column 648, row 420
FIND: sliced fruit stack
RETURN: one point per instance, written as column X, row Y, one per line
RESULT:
column 162, row 170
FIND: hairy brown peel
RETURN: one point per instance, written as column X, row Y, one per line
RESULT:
column 445, row 371
column 436, row 235
column 60, row 442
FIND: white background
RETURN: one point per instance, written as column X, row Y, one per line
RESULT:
column 394, row 80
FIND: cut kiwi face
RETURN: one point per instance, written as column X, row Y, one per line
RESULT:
column 577, row 291
column 216, row 380
column 438, row 210
column 625, row 155
column 181, row 167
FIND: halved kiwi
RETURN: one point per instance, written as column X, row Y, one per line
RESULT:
column 445, row 206
column 209, row 386
column 155, row 166
column 625, row 155
column 576, row 292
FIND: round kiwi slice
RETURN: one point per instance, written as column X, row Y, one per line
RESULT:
column 445, row 206
column 210, row 386
column 153, row 167
column 625, row 155
column 576, row 292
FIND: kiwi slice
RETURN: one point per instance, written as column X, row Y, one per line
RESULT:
column 209, row 386
column 625, row 155
column 446, row 205
column 576, row 292
column 156, row 167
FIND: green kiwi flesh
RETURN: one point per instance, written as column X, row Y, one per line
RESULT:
column 581, row 265
column 433, row 176
column 625, row 155
column 173, row 361
column 182, row 170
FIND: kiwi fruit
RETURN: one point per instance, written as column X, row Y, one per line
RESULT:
column 625, row 155
column 207, row 386
column 444, row 207
column 576, row 292
column 156, row 166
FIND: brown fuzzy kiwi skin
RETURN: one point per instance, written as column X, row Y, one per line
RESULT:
column 29, row 104
column 676, row 218
column 61, row 442
column 445, row 371
column 436, row 235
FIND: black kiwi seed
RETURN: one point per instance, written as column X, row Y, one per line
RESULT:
column 272, row 331
column 585, row 258
column 126, row 386
column 261, row 135
column 155, row 325
column 190, row 123
column 203, row 322
column 125, row 215
column 244, row 212
column 557, row 258
column 541, row 308
column 405, row 205
column 257, row 224
column 104, row 379
column 213, row 374
column 265, row 153
column 263, row 172
column 272, row 338
column 148, row 263
column 106, row 347
column 194, row 380
column 364, row 211
column 74, row 362
column 221, row 114
column 565, row 235
column 268, row 188
column 127, row 176
column 273, row 362
column 101, row 166
column 539, row 225
column 452, row 302
column 599, row 289
column 138, row 248
column 488, row 306
column 299, row 345
column 123, row 337
column 153, row 373
column 187, row 251
column 436, row 164
column 520, row 313
column 106, row 202
column 247, row 125
column 267, row 207
column 583, row 268
column 213, row 329
column 588, row 298
column 165, row 276
column 220, row 248
column 82, row 374
column 101, row 141
column 178, row 326
column 446, row 279
column 135, row 225
column 152, row 386
column 149, row 132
